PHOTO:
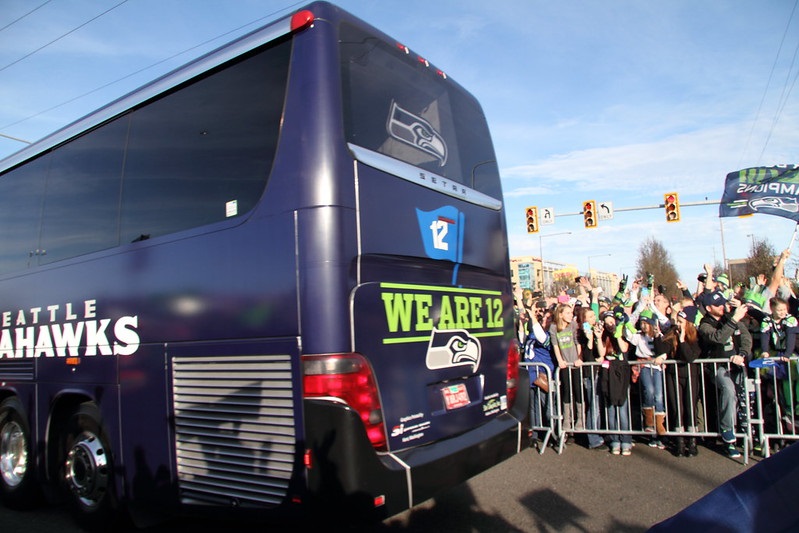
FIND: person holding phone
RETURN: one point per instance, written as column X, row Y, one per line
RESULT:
column 593, row 350
column 722, row 334
column 568, row 358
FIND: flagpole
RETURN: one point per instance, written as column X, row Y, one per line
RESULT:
column 795, row 229
column 725, row 266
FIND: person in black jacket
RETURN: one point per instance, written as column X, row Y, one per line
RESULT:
column 615, row 379
column 682, row 379
column 722, row 335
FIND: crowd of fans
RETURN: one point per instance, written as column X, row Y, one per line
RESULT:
column 641, row 324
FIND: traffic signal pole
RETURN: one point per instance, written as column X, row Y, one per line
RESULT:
column 642, row 208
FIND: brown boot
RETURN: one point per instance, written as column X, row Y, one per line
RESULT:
column 660, row 423
column 649, row 418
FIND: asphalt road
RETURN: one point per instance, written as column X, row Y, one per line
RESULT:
column 580, row 490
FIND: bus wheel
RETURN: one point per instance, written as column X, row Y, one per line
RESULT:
column 88, row 470
column 16, row 460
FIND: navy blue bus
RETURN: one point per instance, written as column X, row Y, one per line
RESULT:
column 275, row 279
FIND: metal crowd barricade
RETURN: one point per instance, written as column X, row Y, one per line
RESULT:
column 575, row 412
column 545, row 414
column 778, row 412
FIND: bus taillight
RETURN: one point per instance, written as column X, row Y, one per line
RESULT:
column 512, row 380
column 349, row 378
column 301, row 20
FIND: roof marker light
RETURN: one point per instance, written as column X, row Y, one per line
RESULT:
column 423, row 61
column 301, row 20
column 403, row 48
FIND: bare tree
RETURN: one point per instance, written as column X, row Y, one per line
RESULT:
column 653, row 258
column 761, row 258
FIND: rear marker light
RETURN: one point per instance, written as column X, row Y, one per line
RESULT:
column 301, row 20
column 349, row 378
column 512, row 377
column 380, row 501
column 404, row 48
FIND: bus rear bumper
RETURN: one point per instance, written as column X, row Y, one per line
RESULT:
column 347, row 478
column 446, row 464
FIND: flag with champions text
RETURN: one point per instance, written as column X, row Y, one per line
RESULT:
column 767, row 190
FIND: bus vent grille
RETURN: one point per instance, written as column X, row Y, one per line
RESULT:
column 13, row 370
column 234, row 429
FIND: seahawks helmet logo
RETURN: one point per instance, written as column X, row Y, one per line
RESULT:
column 417, row 132
column 453, row 348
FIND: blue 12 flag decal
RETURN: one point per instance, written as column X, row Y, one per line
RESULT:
column 442, row 233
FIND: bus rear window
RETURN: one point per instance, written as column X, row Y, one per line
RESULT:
column 400, row 107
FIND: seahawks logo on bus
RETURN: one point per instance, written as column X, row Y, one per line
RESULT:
column 453, row 348
column 415, row 131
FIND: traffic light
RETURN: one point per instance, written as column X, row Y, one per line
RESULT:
column 589, row 213
column 672, row 204
column 531, row 217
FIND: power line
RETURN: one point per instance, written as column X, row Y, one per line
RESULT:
column 73, row 30
column 134, row 73
column 14, row 138
column 785, row 89
column 768, row 85
column 25, row 15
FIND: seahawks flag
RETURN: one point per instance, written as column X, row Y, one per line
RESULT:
column 767, row 190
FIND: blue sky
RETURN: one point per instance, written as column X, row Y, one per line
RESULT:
column 618, row 101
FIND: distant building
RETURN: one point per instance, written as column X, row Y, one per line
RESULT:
column 527, row 272
column 738, row 271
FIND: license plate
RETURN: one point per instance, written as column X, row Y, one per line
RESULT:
column 455, row 396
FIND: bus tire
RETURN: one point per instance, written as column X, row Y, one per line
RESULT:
column 87, row 471
column 17, row 477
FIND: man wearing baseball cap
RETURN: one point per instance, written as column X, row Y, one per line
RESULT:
column 722, row 335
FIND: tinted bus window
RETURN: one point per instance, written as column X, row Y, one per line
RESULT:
column 21, row 191
column 427, row 124
column 81, row 205
column 203, row 154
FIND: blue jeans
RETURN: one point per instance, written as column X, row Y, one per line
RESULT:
column 540, row 409
column 652, row 387
column 619, row 418
column 591, row 384
column 727, row 407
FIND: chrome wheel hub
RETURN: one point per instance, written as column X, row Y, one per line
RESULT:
column 87, row 469
column 13, row 454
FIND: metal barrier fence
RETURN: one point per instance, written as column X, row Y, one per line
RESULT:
column 777, row 397
column 545, row 411
column 690, row 401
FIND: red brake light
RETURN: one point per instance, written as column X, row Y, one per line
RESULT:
column 301, row 20
column 349, row 378
column 512, row 380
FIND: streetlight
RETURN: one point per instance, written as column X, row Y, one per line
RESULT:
column 541, row 254
column 589, row 260
column 753, row 240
